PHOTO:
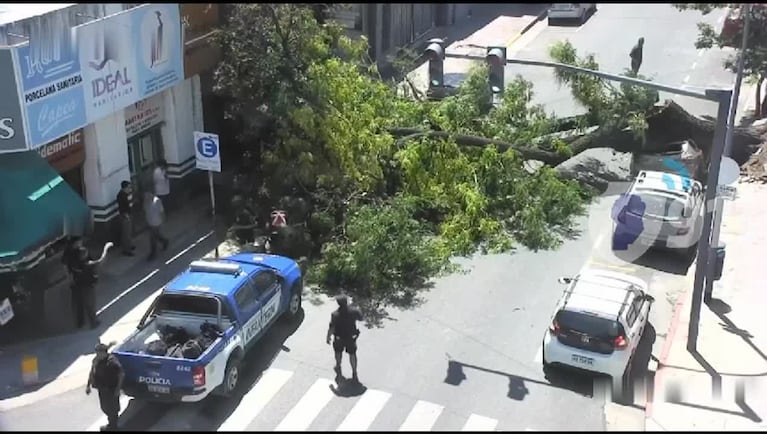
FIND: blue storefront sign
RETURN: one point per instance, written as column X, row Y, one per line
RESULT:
column 52, row 90
column 158, row 48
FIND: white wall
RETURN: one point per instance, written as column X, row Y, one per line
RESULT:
column 183, row 116
column 106, row 163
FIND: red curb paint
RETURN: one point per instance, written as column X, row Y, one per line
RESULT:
column 676, row 317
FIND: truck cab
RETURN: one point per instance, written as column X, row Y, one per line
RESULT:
column 192, row 340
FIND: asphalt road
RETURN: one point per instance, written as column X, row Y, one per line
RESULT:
column 669, row 57
column 469, row 355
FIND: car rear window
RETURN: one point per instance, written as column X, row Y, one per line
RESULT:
column 591, row 325
column 189, row 304
column 658, row 206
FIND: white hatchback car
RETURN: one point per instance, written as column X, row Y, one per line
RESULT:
column 598, row 323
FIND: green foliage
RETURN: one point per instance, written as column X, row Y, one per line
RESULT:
column 615, row 107
column 755, row 55
column 390, row 213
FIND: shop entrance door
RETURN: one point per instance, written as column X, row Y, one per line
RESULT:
column 144, row 150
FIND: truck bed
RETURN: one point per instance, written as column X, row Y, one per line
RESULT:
column 138, row 341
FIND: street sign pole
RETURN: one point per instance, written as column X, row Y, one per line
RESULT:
column 208, row 156
column 213, row 205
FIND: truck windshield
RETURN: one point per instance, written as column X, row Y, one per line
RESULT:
column 659, row 206
column 188, row 304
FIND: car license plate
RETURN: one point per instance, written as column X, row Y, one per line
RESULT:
column 583, row 360
column 158, row 389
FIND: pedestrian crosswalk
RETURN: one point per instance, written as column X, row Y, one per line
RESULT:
column 364, row 412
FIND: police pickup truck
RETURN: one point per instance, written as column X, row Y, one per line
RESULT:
column 240, row 297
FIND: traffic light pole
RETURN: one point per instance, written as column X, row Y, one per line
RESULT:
column 720, row 96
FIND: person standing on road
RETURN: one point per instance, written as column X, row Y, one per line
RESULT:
column 636, row 56
column 154, row 213
column 85, row 278
column 343, row 327
column 161, row 182
column 107, row 376
column 125, row 208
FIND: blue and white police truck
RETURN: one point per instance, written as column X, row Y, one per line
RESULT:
column 233, row 301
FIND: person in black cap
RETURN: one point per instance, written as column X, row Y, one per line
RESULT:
column 125, row 208
column 343, row 327
column 107, row 377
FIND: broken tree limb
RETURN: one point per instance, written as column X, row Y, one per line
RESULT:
column 551, row 158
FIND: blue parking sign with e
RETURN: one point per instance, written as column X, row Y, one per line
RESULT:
column 207, row 147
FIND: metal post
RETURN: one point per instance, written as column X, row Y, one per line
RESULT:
column 213, row 207
column 728, row 148
column 704, row 247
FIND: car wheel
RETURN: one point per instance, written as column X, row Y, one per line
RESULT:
column 294, row 304
column 231, row 376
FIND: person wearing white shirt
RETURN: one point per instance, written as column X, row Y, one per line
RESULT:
column 161, row 181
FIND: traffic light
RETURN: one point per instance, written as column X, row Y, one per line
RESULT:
column 496, row 61
column 435, row 53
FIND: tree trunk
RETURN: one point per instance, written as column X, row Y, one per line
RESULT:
column 758, row 104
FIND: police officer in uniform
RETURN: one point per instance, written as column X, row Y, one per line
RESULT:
column 107, row 377
column 85, row 278
column 343, row 328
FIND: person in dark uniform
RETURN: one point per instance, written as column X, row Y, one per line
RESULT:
column 636, row 56
column 85, row 278
column 125, row 208
column 107, row 377
column 69, row 258
column 343, row 327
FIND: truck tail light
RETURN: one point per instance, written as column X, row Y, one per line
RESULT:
column 620, row 342
column 682, row 231
column 554, row 328
column 198, row 376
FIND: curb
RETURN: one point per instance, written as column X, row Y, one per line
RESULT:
column 529, row 26
column 670, row 335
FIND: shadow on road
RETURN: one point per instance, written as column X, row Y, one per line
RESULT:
column 58, row 352
column 661, row 260
column 214, row 410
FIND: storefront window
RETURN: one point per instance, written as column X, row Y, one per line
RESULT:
column 147, row 150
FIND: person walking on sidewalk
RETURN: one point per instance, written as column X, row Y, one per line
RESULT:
column 162, row 183
column 84, row 291
column 125, row 208
column 107, row 376
column 343, row 327
column 154, row 213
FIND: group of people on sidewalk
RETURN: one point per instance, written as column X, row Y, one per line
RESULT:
column 154, row 205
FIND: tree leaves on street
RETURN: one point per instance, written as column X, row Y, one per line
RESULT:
column 389, row 212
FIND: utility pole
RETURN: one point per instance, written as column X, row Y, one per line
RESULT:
column 728, row 148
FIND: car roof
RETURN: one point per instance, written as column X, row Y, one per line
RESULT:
column 212, row 282
column 601, row 292
column 663, row 182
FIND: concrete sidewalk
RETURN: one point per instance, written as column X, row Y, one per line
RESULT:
column 723, row 385
column 126, row 288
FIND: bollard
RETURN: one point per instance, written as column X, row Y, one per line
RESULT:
column 29, row 370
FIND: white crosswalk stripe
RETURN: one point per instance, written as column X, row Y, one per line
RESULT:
column 422, row 417
column 124, row 402
column 480, row 423
column 308, row 408
column 365, row 411
column 256, row 399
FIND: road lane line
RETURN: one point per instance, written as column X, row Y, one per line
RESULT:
column 124, row 402
column 686, row 79
column 594, row 247
column 480, row 423
column 256, row 399
column 308, row 408
column 422, row 417
column 700, row 53
column 624, row 268
column 694, row 65
column 365, row 411
column 538, row 355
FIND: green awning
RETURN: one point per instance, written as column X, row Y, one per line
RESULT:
column 37, row 208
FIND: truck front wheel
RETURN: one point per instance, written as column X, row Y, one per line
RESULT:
column 231, row 376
